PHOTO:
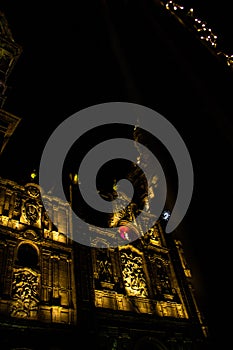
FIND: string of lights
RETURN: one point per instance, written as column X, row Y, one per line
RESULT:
column 188, row 18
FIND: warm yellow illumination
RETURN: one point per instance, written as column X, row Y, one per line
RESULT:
column 115, row 185
column 75, row 179
column 200, row 26
column 33, row 174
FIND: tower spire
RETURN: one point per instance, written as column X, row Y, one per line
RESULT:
column 9, row 54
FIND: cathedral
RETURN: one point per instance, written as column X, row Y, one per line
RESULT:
column 56, row 293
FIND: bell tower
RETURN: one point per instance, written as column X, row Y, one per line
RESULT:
column 10, row 51
column 37, row 285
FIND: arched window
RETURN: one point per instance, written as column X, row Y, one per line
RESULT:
column 27, row 255
column 149, row 343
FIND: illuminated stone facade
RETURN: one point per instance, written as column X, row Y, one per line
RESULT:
column 139, row 275
column 140, row 292
column 37, row 277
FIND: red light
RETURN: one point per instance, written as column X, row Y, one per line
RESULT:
column 123, row 230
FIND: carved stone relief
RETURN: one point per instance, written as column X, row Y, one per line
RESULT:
column 133, row 274
column 25, row 293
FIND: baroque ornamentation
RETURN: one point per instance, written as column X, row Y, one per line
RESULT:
column 30, row 234
column 33, row 191
column 133, row 274
column 25, row 293
column 31, row 212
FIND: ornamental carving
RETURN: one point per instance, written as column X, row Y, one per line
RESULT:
column 25, row 293
column 33, row 191
column 162, row 275
column 17, row 206
column 133, row 274
column 103, row 274
column 104, row 270
column 30, row 234
column 154, row 236
column 31, row 212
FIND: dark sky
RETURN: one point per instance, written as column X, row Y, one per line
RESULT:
column 76, row 54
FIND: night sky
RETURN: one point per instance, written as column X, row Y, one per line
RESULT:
column 79, row 54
